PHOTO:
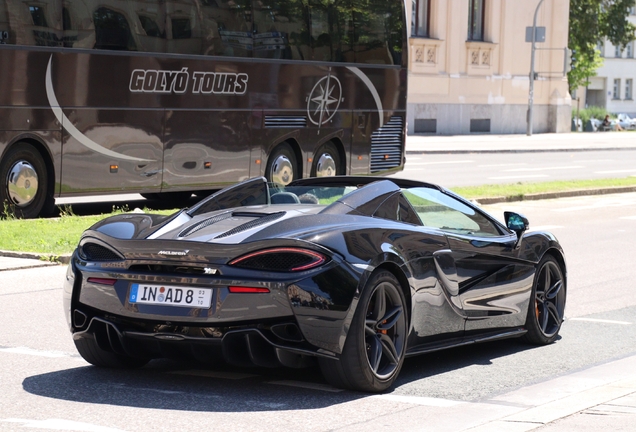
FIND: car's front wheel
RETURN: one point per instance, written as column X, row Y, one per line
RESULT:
column 547, row 303
column 374, row 350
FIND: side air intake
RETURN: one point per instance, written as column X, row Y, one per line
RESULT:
column 96, row 252
column 285, row 122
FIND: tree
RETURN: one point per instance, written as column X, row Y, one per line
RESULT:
column 591, row 21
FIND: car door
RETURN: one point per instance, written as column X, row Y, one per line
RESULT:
column 492, row 284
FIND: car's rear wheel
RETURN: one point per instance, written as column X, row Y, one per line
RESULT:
column 547, row 303
column 374, row 350
column 91, row 352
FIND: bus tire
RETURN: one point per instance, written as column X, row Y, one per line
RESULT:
column 24, row 188
column 281, row 165
column 327, row 161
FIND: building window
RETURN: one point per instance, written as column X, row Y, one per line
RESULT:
column 616, row 94
column 600, row 46
column 628, row 88
column 618, row 53
column 629, row 50
column 420, row 19
column 476, row 20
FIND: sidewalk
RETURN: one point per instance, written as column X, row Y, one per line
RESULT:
column 588, row 141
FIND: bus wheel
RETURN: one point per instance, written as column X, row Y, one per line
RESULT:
column 23, row 183
column 326, row 161
column 281, row 166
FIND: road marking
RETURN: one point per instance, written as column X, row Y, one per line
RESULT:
column 594, row 206
column 518, row 177
column 306, row 385
column 214, row 374
column 501, row 165
column 600, row 321
column 61, row 424
column 628, row 217
column 545, row 227
column 441, row 162
column 418, row 400
column 545, row 168
column 30, row 351
column 615, row 171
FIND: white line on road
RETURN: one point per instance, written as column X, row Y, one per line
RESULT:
column 306, row 385
column 545, row 168
column 501, row 165
column 518, row 177
column 61, row 424
column 628, row 217
column 419, row 400
column 600, row 321
column 30, row 351
column 440, row 163
column 615, row 171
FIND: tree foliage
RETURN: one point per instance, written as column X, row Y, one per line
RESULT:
column 592, row 21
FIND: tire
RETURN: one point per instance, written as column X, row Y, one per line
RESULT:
column 327, row 161
column 376, row 342
column 92, row 353
column 282, row 165
column 547, row 303
column 24, row 186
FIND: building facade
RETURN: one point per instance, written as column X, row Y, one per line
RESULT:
column 469, row 67
column 613, row 86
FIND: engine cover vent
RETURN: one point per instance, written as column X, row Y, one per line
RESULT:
column 387, row 145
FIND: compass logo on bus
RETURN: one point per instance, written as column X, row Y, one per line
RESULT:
column 324, row 100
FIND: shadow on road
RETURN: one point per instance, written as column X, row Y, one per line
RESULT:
column 165, row 384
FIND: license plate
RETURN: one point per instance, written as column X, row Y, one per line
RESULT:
column 170, row 295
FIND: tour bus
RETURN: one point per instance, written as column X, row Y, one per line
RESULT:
column 172, row 97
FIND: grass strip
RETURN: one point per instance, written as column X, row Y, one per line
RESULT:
column 520, row 189
column 58, row 236
column 50, row 237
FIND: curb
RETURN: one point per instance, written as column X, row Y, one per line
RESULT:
column 554, row 195
column 60, row 259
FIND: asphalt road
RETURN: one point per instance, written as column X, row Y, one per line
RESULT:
column 470, row 169
column 45, row 384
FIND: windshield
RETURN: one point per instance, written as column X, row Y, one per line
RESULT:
column 323, row 195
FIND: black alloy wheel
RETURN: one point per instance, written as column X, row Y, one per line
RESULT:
column 376, row 342
column 547, row 303
column 24, row 188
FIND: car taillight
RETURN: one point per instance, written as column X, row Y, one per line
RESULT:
column 247, row 290
column 284, row 259
column 102, row 281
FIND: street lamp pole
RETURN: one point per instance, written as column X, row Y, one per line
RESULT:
column 531, row 92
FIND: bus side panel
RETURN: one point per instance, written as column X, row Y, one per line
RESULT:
column 206, row 148
column 112, row 150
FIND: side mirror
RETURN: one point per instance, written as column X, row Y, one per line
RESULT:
column 516, row 222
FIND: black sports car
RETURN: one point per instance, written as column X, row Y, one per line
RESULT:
column 356, row 272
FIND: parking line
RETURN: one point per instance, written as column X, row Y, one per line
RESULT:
column 33, row 352
column 440, row 163
column 419, row 400
column 545, row 168
column 600, row 321
column 518, row 177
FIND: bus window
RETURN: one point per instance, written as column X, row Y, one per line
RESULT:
column 370, row 33
column 235, row 27
column 280, row 29
column 31, row 23
column 331, row 30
